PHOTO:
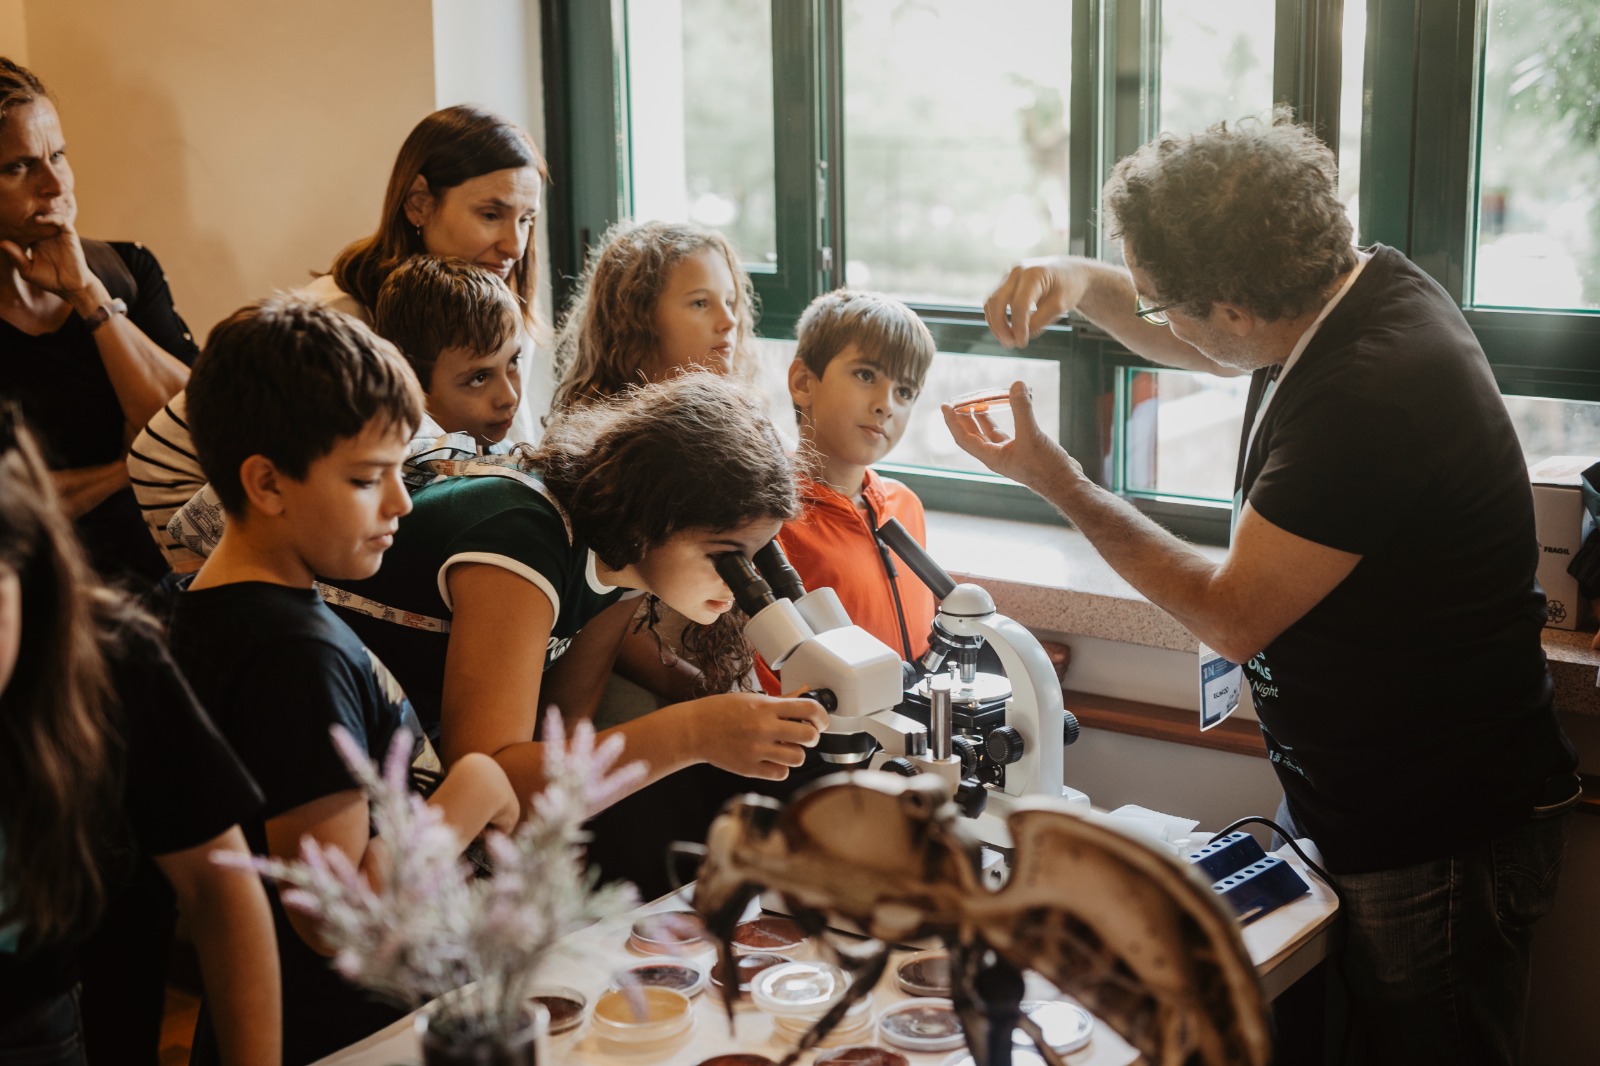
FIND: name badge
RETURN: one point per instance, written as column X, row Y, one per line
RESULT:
column 1220, row 685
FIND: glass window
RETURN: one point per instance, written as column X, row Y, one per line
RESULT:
column 1181, row 432
column 1352, row 74
column 1216, row 62
column 1555, row 427
column 700, row 119
column 1538, row 181
column 955, row 142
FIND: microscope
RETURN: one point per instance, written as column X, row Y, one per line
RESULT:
column 992, row 738
column 1012, row 726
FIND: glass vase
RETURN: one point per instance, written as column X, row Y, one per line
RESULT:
column 445, row 1045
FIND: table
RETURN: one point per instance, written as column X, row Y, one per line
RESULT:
column 1284, row 945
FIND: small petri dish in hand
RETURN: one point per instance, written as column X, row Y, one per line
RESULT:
column 983, row 401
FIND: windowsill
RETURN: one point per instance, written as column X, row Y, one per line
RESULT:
column 1049, row 578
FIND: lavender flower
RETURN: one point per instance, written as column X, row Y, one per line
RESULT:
column 430, row 926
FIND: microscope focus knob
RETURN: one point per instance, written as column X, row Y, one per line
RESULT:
column 1069, row 727
column 902, row 766
column 971, row 797
column 967, row 750
column 1004, row 745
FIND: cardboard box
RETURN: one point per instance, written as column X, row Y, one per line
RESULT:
column 1560, row 519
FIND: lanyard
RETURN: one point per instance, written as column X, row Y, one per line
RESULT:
column 1294, row 356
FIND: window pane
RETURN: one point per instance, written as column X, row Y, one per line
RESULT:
column 700, row 118
column 928, row 442
column 1555, row 427
column 1181, row 432
column 1216, row 62
column 955, row 127
column 1352, row 74
column 1538, row 226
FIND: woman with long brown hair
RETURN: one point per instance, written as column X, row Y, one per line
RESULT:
column 467, row 184
column 110, row 777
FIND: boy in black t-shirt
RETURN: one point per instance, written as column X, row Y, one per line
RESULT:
column 300, row 416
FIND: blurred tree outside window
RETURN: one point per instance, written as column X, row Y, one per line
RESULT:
column 1538, row 181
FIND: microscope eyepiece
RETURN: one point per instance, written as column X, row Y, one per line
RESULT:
column 750, row 590
column 781, row 576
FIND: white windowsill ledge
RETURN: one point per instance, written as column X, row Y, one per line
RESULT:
column 1049, row 578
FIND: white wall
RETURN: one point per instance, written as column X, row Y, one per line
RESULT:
column 487, row 52
column 244, row 143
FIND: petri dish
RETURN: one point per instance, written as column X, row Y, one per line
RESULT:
column 668, row 933
column 983, row 401
column 922, row 1025
column 748, row 966
column 566, row 1007
column 682, row 976
column 1019, row 1057
column 768, row 934
column 1066, row 1026
column 664, row 1015
column 927, row 973
column 861, row 1056
column 799, row 988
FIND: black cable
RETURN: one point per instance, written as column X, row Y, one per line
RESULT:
column 893, row 573
column 1335, row 946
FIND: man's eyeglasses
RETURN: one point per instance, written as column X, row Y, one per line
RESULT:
column 1156, row 316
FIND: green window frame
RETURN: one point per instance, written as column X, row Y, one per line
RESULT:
column 1417, row 192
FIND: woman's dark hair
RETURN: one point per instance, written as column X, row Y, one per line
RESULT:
column 1248, row 215
column 61, row 752
column 18, row 86
column 694, row 452
column 447, row 148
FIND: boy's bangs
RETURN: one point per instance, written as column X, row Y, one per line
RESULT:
column 901, row 351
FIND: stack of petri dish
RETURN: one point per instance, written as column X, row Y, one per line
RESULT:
column 797, row 994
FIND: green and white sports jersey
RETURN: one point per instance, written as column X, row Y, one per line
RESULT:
column 503, row 519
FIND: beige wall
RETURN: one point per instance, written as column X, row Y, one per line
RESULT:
column 245, row 143
column 14, row 31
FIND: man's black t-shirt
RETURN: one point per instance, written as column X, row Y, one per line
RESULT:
column 182, row 787
column 1409, row 712
column 277, row 670
column 67, row 398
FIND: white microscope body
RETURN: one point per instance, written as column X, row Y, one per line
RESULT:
column 1032, row 742
column 811, row 644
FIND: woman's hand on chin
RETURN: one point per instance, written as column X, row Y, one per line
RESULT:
column 55, row 263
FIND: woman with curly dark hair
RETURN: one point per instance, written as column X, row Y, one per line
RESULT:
column 507, row 593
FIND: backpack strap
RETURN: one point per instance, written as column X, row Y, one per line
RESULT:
column 445, row 468
column 109, row 267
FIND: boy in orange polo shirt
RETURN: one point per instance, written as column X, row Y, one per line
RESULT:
column 855, row 377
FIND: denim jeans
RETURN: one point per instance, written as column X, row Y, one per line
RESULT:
column 46, row 1034
column 1436, row 955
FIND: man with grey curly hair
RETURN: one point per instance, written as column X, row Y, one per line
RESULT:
column 1379, row 479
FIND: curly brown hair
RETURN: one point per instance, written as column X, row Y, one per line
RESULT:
column 608, row 337
column 1248, row 215
column 693, row 452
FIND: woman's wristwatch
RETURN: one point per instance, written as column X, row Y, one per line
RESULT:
column 102, row 314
